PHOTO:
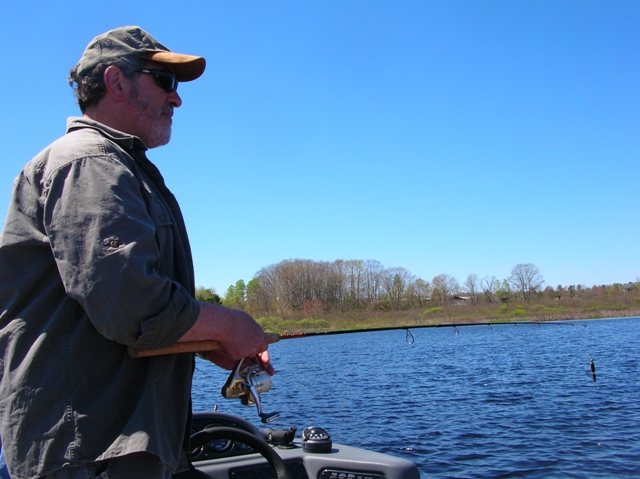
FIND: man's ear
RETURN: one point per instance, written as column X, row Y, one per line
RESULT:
column 116, row 83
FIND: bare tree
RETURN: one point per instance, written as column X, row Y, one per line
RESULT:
column 526, row 280
column 353, row 283
column 489, row 287
column 373, row 280
column 333, row 286
column 444, row 287
column 419, row 292
column 395, row 283
column 472, row 285
column 268, row 295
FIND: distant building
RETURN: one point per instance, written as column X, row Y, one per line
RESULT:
column 458, row 300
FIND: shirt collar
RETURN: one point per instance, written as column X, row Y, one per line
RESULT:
column 125, row 140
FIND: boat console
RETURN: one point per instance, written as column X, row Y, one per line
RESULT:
column 228, row 447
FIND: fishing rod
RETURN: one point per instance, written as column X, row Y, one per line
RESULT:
column 248, row 380
column 418, row 326
column 272, row 338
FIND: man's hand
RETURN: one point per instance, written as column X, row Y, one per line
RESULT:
column 236, row 331
column 220, row 358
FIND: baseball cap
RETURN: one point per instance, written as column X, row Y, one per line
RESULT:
column 135, row 42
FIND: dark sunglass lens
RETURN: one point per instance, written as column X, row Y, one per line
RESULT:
column 167, row 81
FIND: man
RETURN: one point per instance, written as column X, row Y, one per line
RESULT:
column 94, row 260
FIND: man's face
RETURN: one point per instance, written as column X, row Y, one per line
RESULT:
column 151, row 109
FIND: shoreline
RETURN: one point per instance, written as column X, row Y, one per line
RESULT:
column 323, row 327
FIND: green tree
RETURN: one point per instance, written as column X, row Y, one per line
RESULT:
column 503, row 291
column 256, row 300
column 236, row 295
column 208, row 295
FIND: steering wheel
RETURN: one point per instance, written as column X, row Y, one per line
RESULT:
column 207, row 435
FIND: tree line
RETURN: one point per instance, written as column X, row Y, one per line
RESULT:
column 310, row 288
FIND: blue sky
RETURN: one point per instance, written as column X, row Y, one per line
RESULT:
column 449, row 137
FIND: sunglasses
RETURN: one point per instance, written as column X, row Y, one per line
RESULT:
column 164, row 78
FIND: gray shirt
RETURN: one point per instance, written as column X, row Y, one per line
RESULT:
column 94, row 258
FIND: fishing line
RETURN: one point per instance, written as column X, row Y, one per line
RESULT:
column 204, row 373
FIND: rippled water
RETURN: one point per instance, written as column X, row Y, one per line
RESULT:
column 502, row 402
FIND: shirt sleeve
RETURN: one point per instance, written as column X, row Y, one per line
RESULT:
column 114, row 251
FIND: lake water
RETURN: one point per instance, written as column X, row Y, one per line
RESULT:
column 478, row 402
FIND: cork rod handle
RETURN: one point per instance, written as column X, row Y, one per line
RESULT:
column 191, row 347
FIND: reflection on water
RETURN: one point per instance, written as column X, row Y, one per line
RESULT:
column 502, row 402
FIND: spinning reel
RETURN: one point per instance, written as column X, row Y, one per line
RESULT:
column 247, row 383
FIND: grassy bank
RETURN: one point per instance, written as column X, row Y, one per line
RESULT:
column 506, row 313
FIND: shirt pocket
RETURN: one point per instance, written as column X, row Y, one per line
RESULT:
column 159, row 212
